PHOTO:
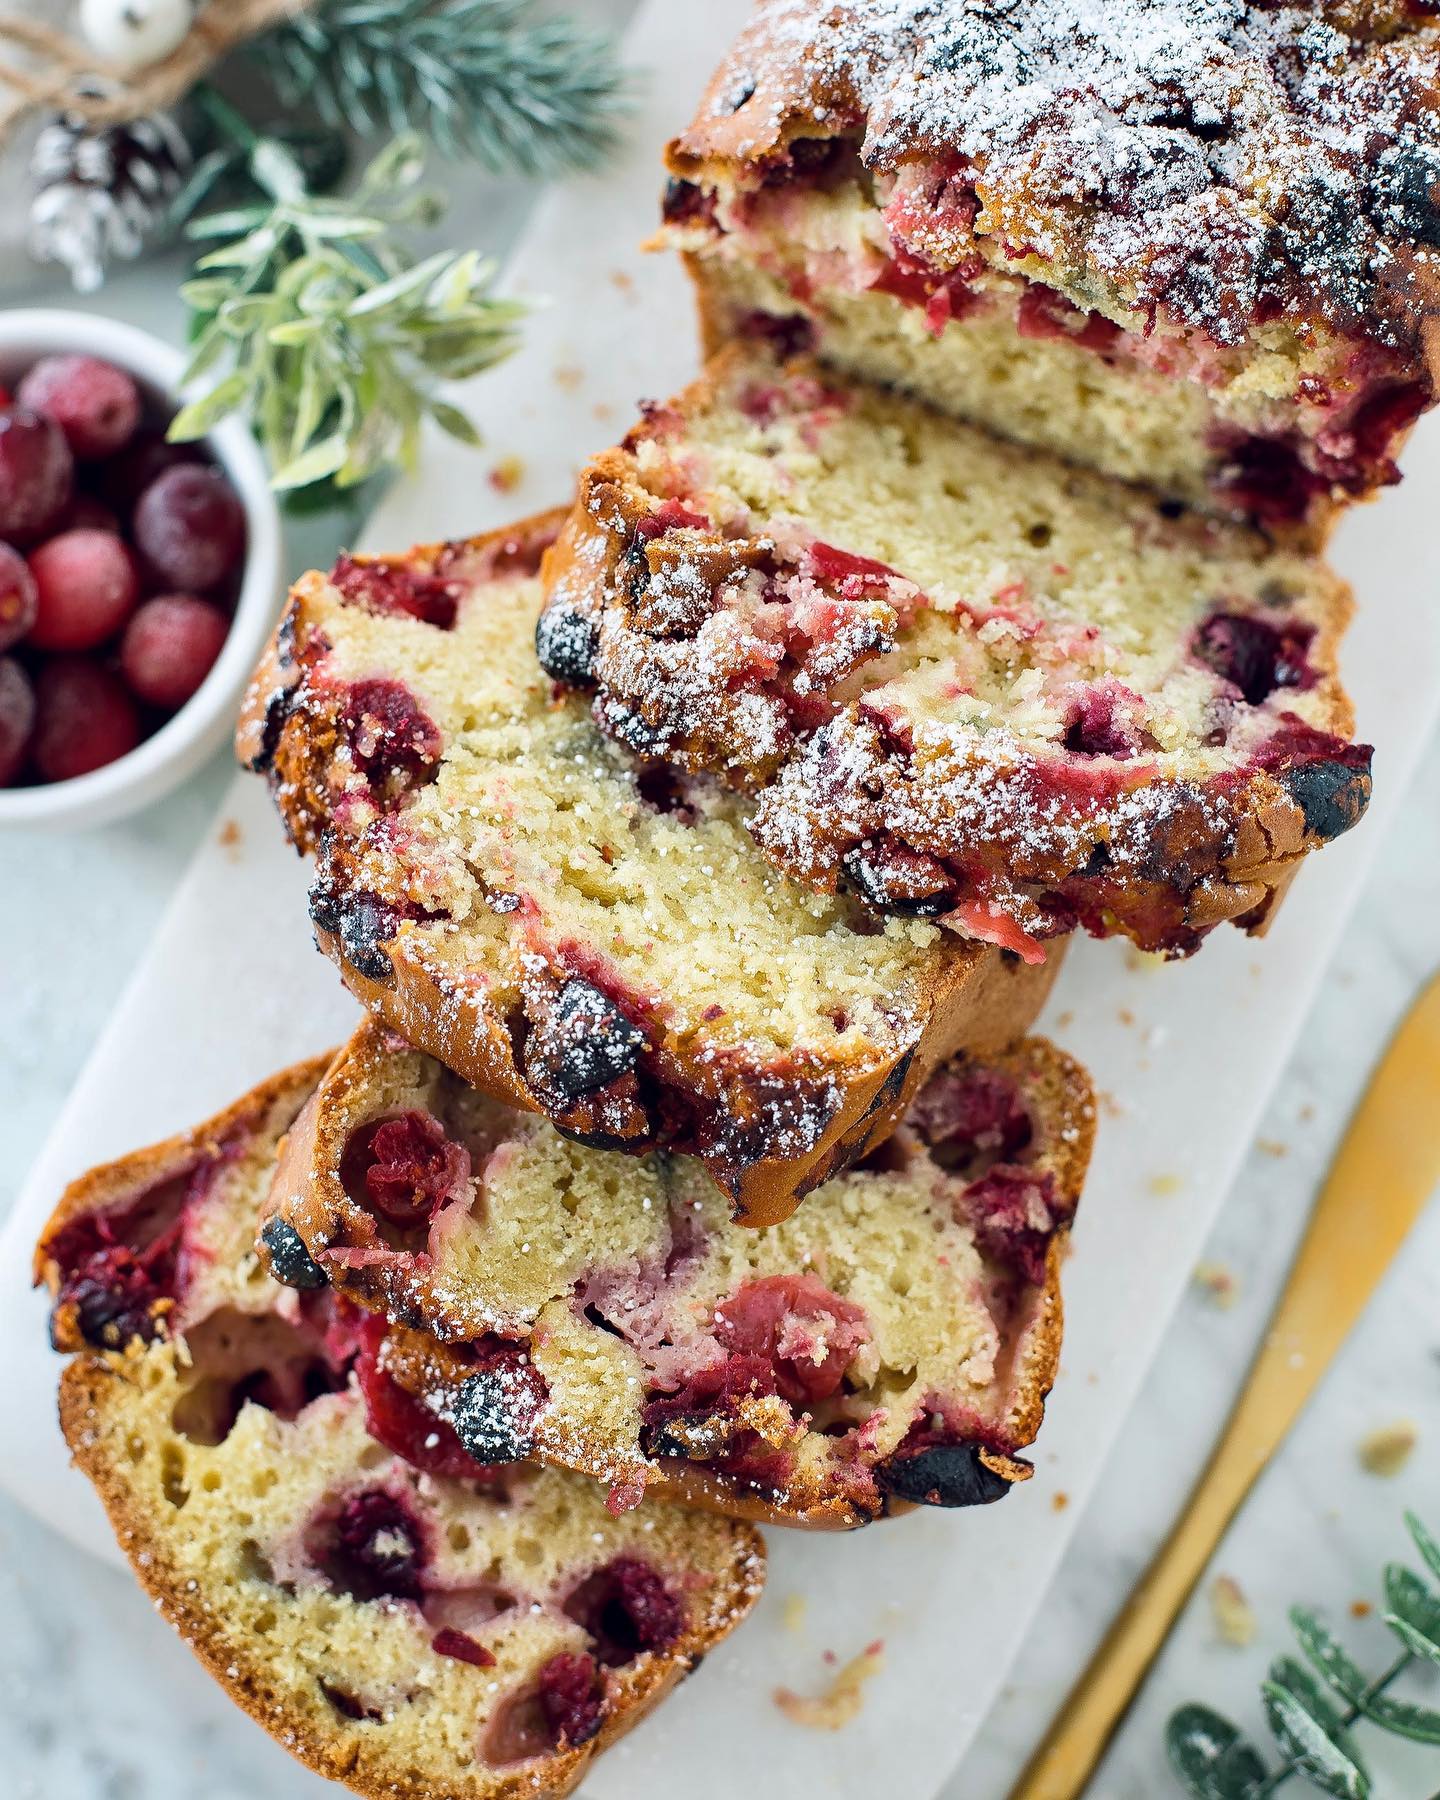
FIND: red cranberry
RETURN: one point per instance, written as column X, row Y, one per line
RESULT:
column 803, row 1331
column 1255, row 656
column 95, row 404
column 19, row 597
column 374, row 1548
column 383, row 587
column 572, row 1697
column 671, row 515
column 170, row 647
column 1006, row 1207
column 391, row 738
column 17, row 718
column 401, row 1423
column 627, row 1609
column 856, row 577
column 87, row 585
column 403, row 1168
column 460, row 1646
column 190, row 527
column 970, row 1112
column 114, row 1295
column 687, row 204
column 84, row 718
column 1265, row 479
column 1044, row 313
column 35, row 473
column 1095, row 725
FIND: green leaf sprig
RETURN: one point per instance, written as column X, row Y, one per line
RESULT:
column 335, row 337
column 1311, row 1706
column 519, row 91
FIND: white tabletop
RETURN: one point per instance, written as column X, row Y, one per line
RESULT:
column 97, row 1701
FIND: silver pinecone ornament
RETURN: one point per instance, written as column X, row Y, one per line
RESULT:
column 102, row 191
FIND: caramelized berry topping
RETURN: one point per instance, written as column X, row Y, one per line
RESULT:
column 939, row 1474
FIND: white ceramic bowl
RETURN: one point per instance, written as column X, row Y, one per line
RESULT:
column 187, row 740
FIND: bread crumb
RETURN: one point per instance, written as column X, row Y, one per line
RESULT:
column 623, row 280
column 792, row 1613
column 1143, row 962
column 1272, row 1146
column 568, row 377
column 1161, row 1185
column 842, row 1700
column 1231, row 1611
column 231, row 838
column 1360, row 1609
column 1218, row 1283
column 1059, row 1500
column 1387, row 1449
column 1064, row 1020
column 1125, row 1016
column 507, row 474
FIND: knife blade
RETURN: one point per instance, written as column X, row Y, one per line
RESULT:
column 1386, row 1169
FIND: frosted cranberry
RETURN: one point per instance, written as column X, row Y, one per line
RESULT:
column 392, row 739
column 374, row 1548
column 122, row 480
column 795, row 1324
column 893, row 879
column 87, row 585
column 382, row 587
column 95, row 404
column 17, row 718
column 19, row 598
column 190, row 526
column 627, row 1609
column 86, row 513
column 403, row 1168
column 35, row 473
column 583, row 1042
column 397, row 1419
column 572, row 1698
column 497, row 1407
column 84, row 719
column 170, row 647
column 1255, row 656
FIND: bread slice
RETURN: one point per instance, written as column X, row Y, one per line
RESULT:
column 401, row 1619
column 892, row 1342
column 964, row 680
column 566, row 932
column 1196, row 249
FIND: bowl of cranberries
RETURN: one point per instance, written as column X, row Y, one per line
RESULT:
column 138, row 578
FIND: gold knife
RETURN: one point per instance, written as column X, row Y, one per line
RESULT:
column 1386, row 1170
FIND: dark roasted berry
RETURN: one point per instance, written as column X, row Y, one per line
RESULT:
column 899, row 881
column 566, row 642
column 942, row 1475
column 367, row 925
column 585, row 1042
column 290, row 1262
column 1328, row 779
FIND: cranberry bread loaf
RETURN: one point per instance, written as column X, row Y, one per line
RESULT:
column 1193, row 243
column 965, row 681
column 891, row 1342
column 402, row 1619
column 568, row 932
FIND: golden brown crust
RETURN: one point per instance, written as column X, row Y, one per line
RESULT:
column 239, row 1665
column 309, row 1194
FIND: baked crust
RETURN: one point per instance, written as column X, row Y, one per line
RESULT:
column 442, row 1304
column 1176, row 855
column 769, row 1127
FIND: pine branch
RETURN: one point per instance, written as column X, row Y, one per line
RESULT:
column 480, row 78
column 1311, row 1709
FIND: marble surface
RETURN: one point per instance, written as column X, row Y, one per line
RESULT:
column 97, row 1700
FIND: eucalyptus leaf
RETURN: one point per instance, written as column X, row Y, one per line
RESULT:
column 1413, row 1640
column 315, row 464
column 1414, row 1601
column 1428, row 1547
column 203, row 415
column 1307, row 1742
column 455, row 423
column 1404, row 1719
column 1325, row 1651
column 1210, row 1757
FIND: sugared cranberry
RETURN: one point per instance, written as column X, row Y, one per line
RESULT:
column 627, row 1609
column 19, row 597
column 374, row 1548
column 391, row 738
column 396, row 1419
column 95, row 404
column 170, row 647
column 793, row 1322
column 383, row 587
column 84, row 718
column 566, row 644
column 497, row 1407
column 189, row 526
column 403, row 1168
column 87, row 585
column 971, row 1112
column 36, row 469
column 1255, row 656
column 17, row 718
column 290, row 1262
column 892, row 879
column 583, row 1043
column 572, row 1697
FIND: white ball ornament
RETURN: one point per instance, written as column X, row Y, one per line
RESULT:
column 132, row 34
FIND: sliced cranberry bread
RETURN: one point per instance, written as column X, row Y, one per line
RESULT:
column 1195, row 243
column 400, row 1618
column 566, row 931
column 891, row 1342
column 965, row 680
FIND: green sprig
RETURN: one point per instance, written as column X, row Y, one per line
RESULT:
column 1311, row 1710
column 335, row 337
column 483, row 78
